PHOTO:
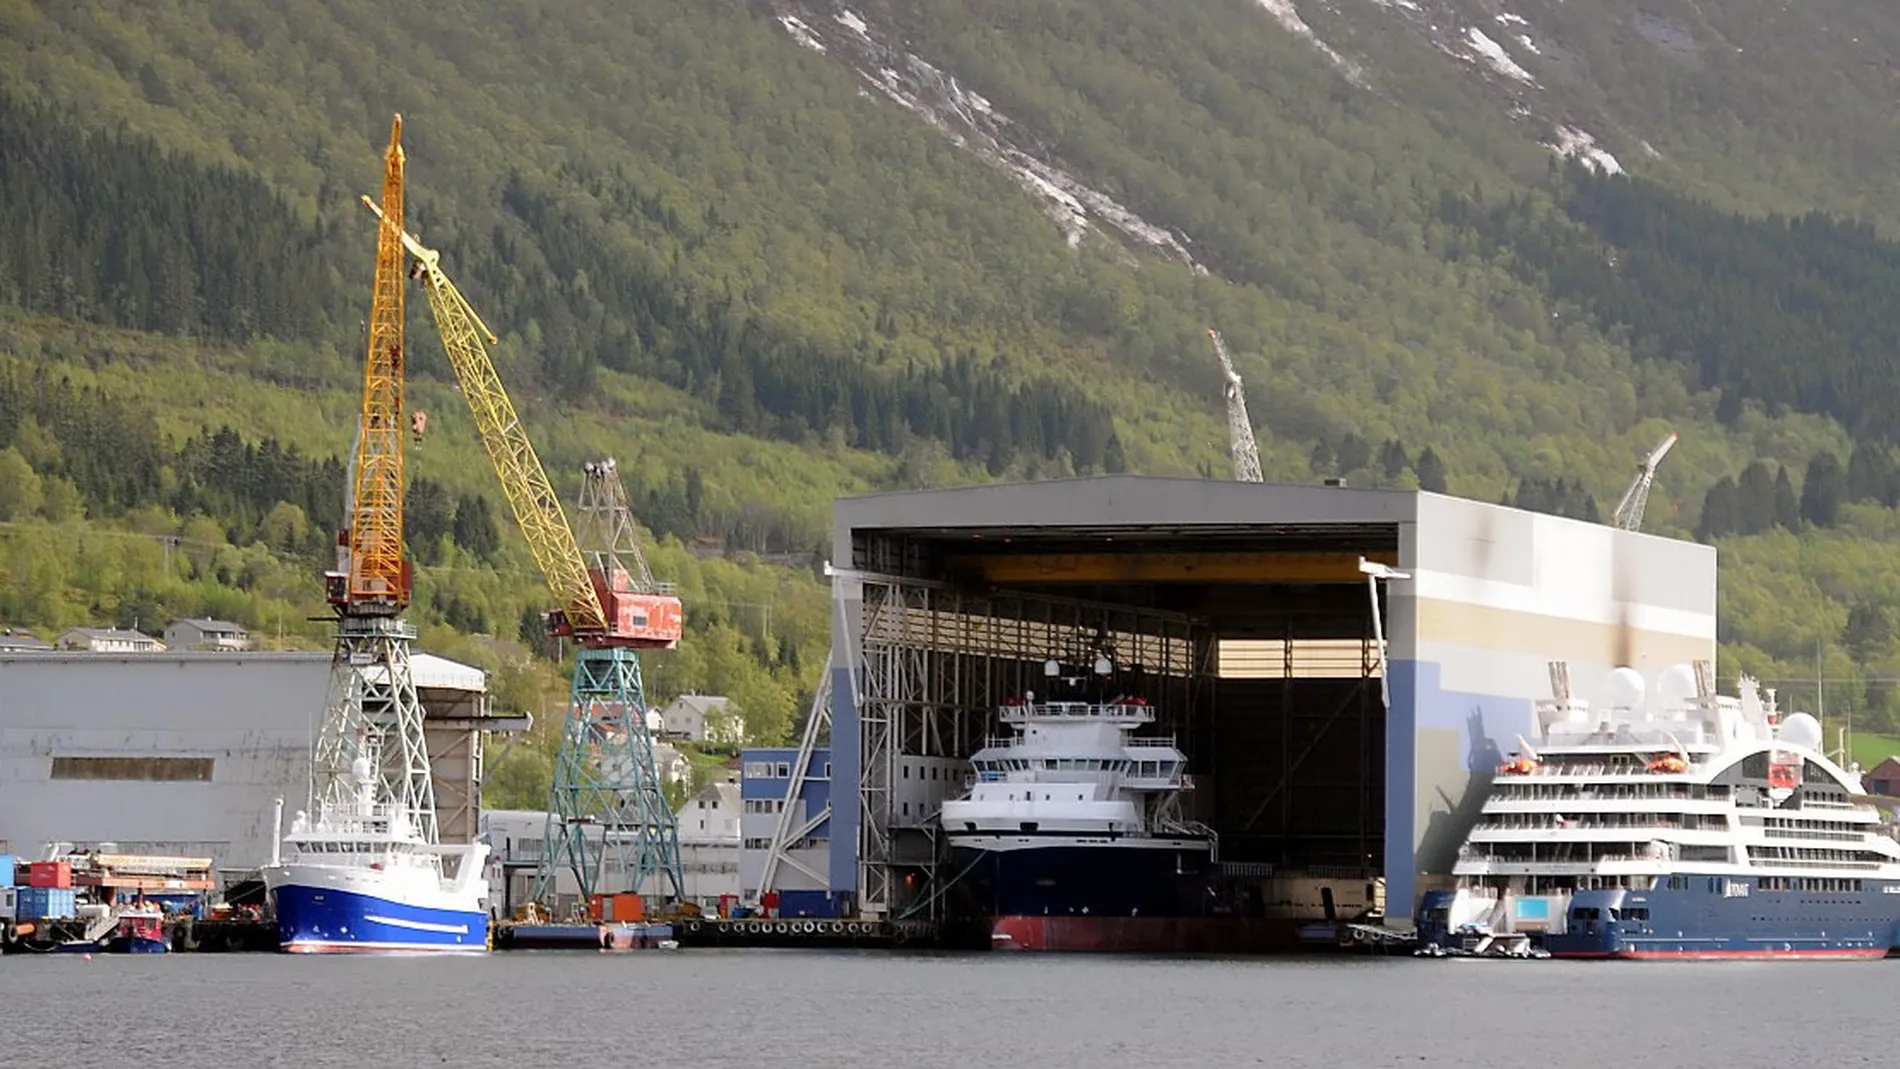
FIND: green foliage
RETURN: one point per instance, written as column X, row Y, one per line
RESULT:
column 710, row 254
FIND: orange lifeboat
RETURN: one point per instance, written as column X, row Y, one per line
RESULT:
column 1517, row 766
column 1669, row 762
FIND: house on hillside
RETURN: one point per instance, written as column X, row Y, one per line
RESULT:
column 704, row 718
column 670, row 764
column 1883, row 778
column 108, row 640
column 12, row 641
column 204, row 633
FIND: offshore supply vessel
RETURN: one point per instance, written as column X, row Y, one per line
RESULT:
column 1073, row 836
column 1709, row 826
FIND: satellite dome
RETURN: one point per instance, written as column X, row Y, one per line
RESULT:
column 1623, row 688
column 1675, row 687
column 360, row 770
column 1800, row 729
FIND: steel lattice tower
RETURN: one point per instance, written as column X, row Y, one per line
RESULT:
column 605, row 778
column 604, row 775
column 371, row 707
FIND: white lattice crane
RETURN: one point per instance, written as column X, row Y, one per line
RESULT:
column 1629, row 511
column 1239, row 426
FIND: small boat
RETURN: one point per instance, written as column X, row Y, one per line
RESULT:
column 133, row 930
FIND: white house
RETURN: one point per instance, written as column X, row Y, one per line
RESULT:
column 204, row 633
column 12, row 641
column 670, row 764
column 704, row 718
column 709, row 843
column 108, row 640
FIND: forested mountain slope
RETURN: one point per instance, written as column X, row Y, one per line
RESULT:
column 771, row 252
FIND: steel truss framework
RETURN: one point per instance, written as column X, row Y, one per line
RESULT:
column 372, row 710
column 937, row 661
column 604, row 777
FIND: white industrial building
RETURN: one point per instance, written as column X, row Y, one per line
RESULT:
column 183, row 753
column 709, row 853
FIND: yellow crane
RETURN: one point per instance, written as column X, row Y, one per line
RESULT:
column 604, row 775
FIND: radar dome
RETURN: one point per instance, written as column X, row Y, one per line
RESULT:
column 360, row 770
column 1675, row 688
column 1800, row 729
column 1623, row 688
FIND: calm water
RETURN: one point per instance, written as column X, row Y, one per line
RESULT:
column 792, row 1008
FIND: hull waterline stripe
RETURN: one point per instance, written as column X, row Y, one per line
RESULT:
column 419, row 926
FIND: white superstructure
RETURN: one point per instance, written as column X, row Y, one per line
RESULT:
column 361, row 876
column 1076, row 773
column 1665, row 795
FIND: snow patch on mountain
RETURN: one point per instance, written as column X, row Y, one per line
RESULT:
column 801, row 32
column 972, row 122
column 1289, row 16
column 1494, row 54
column 1581, row 145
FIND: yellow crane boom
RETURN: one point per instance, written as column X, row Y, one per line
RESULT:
column 538, row 511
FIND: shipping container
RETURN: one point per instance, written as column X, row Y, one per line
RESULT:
column 629, row 907
column 45, row 903
column 811, row 904
column 8, row 863
column 50, row 874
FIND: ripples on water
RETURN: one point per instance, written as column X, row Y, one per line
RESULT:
column 750, row 1009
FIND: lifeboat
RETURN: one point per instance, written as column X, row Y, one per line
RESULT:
column 1517, row 766
column 1669, row 762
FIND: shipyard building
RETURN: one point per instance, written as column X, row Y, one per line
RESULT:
column 182, row 753
column 1313, row 746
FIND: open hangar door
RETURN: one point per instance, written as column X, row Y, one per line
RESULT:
column 1254, row 643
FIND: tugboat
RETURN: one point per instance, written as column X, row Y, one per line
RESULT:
column 1694, row 826
column 1072, row 836
column 358, row 877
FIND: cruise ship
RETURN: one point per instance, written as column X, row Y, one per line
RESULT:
column 359, row 877
column 1071, row 836
column 1689, row 826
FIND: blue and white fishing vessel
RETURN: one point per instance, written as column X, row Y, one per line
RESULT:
column 358, row 876
column 1693, row 826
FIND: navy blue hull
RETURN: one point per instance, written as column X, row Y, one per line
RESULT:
column 326, row 920
column 1714, row 917
column 1099, row 881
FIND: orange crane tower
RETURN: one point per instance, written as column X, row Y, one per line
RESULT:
column 608, row 821
column 372, row 712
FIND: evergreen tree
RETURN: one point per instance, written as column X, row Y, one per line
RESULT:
column 1755, row 500
column 1392, row 458
column 1720, row 511
column 1353, row 454
column 1431, row 471
column 1787, row 506
column 1823, row 490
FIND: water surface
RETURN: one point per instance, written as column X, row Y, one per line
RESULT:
column 752, row 1008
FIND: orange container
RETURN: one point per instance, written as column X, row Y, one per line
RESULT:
column 596, row 908
column 49, row 874
column 629, row 908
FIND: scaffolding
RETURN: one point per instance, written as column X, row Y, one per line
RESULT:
column 935, row 661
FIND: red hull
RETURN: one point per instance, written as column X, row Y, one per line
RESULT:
column 1145, row 935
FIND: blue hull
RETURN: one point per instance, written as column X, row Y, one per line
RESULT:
column 1714, row 917
column 1095, row 881
column 325, row 920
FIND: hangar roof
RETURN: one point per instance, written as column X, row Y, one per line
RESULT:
column 1115, row 504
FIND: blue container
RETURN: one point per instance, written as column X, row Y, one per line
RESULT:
column 45, row 903
column 810, row 904
column 8, row 863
